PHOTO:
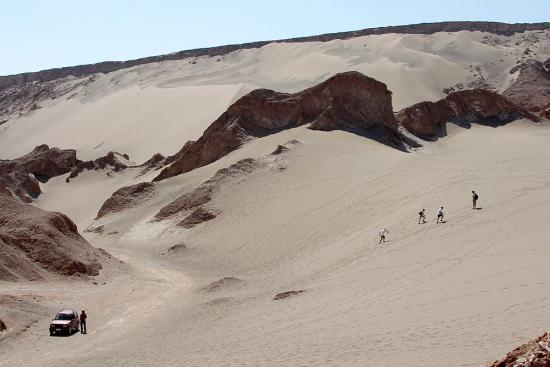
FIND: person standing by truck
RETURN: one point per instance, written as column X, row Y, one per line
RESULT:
column 83, row 317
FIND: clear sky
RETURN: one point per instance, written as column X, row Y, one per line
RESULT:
column 43, row 34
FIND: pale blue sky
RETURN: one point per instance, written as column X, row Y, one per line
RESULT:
column 44, row 34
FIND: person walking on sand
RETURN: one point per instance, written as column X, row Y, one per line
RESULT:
column 382, row 234
column 440, row 215
column 83, row 318
column 422, row 216
column 474, row 200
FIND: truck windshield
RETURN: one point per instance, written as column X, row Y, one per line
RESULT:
column 64, row 316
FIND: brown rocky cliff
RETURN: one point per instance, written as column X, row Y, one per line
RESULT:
column 18, row 177
column 427, row 119
column 423, row 28
column 536, row 353
column 126, row 197
column 35, row 244
column 348, row 100
column 531, row 89
column 113, row 160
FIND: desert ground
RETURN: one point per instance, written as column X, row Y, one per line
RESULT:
column 459, row 293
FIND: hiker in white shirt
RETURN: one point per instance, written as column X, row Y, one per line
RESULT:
column 440, row 215
column 382, row 234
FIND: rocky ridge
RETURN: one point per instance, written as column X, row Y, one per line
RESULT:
column 531, row 89
column 426, row 119
column 346, row 101
column 422, row 28
column 20, row 177
column 536, row 353
column 114, row 160
column 36, row 244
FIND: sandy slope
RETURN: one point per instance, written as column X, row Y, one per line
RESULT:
column 157, row 107
column 455, row 294
column 460, row 293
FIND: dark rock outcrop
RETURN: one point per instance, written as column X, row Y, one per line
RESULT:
column 126, row 197
column 536, row 353
column 34, row 242
column 531, row 89
column 423, row 28
column 3, row 325
column 198, row 216
column 112, row 160
column 19, row 177
column 427, row 119
column 287, row 294
column 347, row 101
column 157, row 161
column 195, row 199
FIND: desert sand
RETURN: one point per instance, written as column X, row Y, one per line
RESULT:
column 155, row 108
column 461, row 293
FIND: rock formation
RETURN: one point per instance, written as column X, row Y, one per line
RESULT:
column 125, row 198
column 287, row 294
column 347, row 101
column 427, row 119
column 19, row 177
column 198, row 216
column 197, row 198
column 423, row 28
column 35, row 243
column 531, row 89
column 536, row 353
column 113, row 160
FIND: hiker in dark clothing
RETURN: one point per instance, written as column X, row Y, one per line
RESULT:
column 83, row 318
column 474, row 200
column 422, row 216
column 440, row 215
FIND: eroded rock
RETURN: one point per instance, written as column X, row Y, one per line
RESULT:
column 20, row 177
column 531, row 89
column 35, row 243
column 113, row 160
column 287, row 294
column 203, row 193
column 347, row 101
column 427, row 119
column 126, row 197
column 536, row 353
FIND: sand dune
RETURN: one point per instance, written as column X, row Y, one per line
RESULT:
column 157, row 107
column 461, row 293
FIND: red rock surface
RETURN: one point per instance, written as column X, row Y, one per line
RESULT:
column 35, row 243
column 125, row 198
column 348, row 101
column 427, row 119
column 18, row 177
column 531, row 89
column 536, row 353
